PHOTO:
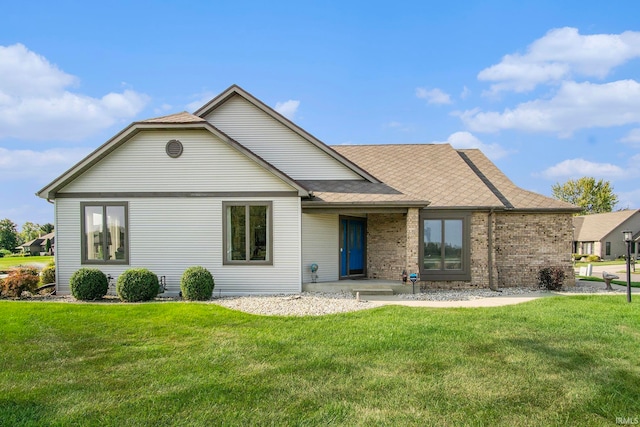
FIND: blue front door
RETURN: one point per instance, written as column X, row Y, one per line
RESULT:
column 352, row 247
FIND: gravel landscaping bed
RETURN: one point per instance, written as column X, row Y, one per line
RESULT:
column 582, row 286
column 304, row 304
column 317, row 303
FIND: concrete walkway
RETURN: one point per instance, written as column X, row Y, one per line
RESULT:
column 497, row 301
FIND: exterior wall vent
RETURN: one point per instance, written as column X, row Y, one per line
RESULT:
column 174, row 148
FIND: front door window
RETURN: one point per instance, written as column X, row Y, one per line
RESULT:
column 352, row 247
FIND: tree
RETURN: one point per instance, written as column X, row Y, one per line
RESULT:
column 46, row 228
column 591, row 195
column 8, row 235
column 30, row 231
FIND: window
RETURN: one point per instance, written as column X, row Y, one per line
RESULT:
column 247, row 233
column 104, row 233
column 607, row 248
column 444, row 249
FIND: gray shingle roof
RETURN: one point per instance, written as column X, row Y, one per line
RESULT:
column 446, row 177
column 357, row 192
column 183, row 117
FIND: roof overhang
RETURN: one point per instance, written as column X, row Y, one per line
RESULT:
column 500, row 208
column 360, row 207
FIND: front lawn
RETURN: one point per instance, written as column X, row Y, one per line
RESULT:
column 553, row 361
column 8, row 262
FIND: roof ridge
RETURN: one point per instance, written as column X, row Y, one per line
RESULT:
column 186, row 114
column 402, row 144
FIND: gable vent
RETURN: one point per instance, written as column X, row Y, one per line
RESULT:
column 174, row 148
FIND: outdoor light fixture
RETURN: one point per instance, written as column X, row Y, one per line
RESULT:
column 627, row 239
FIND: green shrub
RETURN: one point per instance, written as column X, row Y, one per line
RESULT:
column 593, row 258
column 20, row 279
column 48, row 275
column 196, row 284
column 551, row 278
column 137, row 284
column 577, row 257
column 88, row 284
column 4, row 252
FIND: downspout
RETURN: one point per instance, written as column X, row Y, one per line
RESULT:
column 490, row 251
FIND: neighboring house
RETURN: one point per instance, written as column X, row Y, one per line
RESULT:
column 39, row 245
column 601, row 234
column 265, row 200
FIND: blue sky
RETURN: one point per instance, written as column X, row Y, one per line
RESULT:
column 548, row 90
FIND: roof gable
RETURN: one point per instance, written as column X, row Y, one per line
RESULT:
column 181, row 121
column 595, row 227
column 277, row 139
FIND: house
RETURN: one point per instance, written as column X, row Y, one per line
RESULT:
column 39, row 245
column 601, row 234
column 266, row 200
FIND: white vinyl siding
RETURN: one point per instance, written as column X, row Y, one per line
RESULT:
column 206, row 164
column 320, row 235
column 167, row 235
column 277, row 144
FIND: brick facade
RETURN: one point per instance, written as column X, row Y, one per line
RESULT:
column 387, row 246
column 522, row 244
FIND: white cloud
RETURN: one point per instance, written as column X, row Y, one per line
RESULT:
column 562, row 54
column 35, row 103
column 465, row 93
column 200, row 100
column 633, row 137
column 288, row 108
column 574, row 106
column 41, row 166
column 462, row 140
column 574, row 168
column 433, row 96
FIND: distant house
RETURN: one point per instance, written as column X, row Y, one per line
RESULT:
column 601, row 234
column 39, row 245
column 268, row 200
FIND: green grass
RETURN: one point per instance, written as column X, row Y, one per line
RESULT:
column 8, row 262
column 599, row 263
column 553, row 361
